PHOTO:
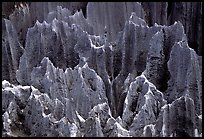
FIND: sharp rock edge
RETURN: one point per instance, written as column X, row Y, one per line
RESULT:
column 91, row 77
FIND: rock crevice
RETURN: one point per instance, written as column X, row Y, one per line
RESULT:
column 123, row 70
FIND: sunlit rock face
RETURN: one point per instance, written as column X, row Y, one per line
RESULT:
column 142, row 105
column 100, row 70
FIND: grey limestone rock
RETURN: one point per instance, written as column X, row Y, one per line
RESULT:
column 47, row 114
column 101, row 116
column 15, row 99
column 182, row 119
column 23, row 15
column 142, row 105
column 59, row 13
column 93, row 127
column 190, row 15
column 103, row 112
column 11, row 51
column 48, row 40
column 82, row 86
column 159, row 52
column 21, row 19
column 186, row 78
column 64, row 14
column 135, row 47
column 114, row 129
column 112, row 15
column 112, row 70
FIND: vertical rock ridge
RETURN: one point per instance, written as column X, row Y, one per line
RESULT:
column 117, row 70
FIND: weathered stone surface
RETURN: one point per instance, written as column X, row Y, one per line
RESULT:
column 40, row 10
column 21, row 19
column 102, row 111
column 135, row 47
column 64, row 14
column 111, row 16
column 159, row 52
column 142, row 105
column 55, row 40
column 190, row 15
column 109, row 75
column 107, row 125
column 165, row 13
column 82, row 86
column 11, row 51
column 14, row 100
column 185, row 78
column 93, row 127
column 24, row 14
column 42, row 117
column 182, row 120
column 114, row 129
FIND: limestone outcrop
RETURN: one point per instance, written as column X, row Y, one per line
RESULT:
column 112, row 70
column 12, row 50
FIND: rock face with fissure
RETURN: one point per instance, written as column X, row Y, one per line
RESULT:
column 83, row 86
column 181, row 123
column 55, row 41
column 190, row 15
column 111, row 16
column 142, row 105
column 11, row 51
column 164, row 13
column 186, row 78
column 116, row 73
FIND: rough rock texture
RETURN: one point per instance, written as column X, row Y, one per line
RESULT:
column 142, row 105
column 115, row 15
column 181, row 123
column 186, row 78
column 24, row 14
column 11, row 51
column 111, row 16
column 107, row 71
column 190, row 15
column 134, row 51
column 82, row 85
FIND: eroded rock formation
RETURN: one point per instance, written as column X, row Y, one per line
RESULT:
column 112, row 73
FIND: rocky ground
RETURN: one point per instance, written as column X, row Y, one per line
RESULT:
column 102, row 69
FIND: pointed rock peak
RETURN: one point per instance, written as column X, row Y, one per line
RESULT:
column 59, row 8
column 45, row 23
column 81, row 119
column 78, row 13
column 5, row 84
column 37, row 23
column 138, row 21
column 46, row 60
column 156, row 25
column 178, row 27
column 85, row 66
column 141, row 77
column 182, row 44
column 99, row 108
column 178, row 24
column 55, row 21
column 6, row 21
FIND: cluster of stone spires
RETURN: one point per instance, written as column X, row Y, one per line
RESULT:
column 115, row 91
